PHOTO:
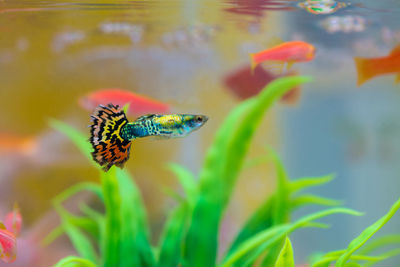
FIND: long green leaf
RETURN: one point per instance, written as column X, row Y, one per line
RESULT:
column 306, row 182
column 313, row 199
column 367, row 234
column 80, row 242
column 186, row 179
column 173, row 236
column 134, row 239
column 221, row 169
column 112, row 201
column 327, row 259
column 281, row 208
column 261, row 219
column 380, row 242
column 79, row 139
column 269, row 237
column 84, row 186
column 282, row 201
column 285, row 258
column 175, row 228
column 74, row 262
column 207, row 208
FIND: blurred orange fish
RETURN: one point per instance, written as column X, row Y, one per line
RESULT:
column 12, row 144
column 138, row 104
column 368, row 68
column 289, row 52
column 245, row 83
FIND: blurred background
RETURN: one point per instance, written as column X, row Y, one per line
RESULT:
column 189, row 55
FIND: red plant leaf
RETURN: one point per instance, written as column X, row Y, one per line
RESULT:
column 13, row 221
column 8, row 245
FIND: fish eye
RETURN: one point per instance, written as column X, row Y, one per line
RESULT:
column 199, row 119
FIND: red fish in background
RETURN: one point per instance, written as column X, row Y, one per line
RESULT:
column 245, row 83
column 289, row 52
column 368, row 68
column 138, row 104
column 8, row 235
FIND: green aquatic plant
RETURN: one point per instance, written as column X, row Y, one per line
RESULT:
column 120, row 235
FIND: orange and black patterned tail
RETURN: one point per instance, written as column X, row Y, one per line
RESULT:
column 109, row 147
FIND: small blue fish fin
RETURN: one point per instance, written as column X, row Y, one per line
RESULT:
column 145, row 117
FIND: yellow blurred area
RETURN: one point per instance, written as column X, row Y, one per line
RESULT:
column 42, row 78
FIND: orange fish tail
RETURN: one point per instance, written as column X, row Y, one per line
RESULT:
column 365, row 70
column 109, row 146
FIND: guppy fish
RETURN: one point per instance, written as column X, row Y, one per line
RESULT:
column 289, row 52
column 111, row 134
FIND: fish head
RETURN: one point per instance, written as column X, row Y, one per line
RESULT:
column 193, row 122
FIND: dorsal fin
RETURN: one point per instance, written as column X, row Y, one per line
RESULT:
column 395, row 50
column 145, row 117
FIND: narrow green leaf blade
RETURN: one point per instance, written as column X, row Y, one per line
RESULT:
column 72, row 261
column 80, row 241
column 265, row 239
column 261, row 219
column 222, row 165
column 112, row 201
column 71, row 191
column 134, row 239
column 173, row 236
column 314, row 200
column 285, row 258
column 79, row 139
column 303, row 183
column 380, row 242
column 186, row 179
column 367, row 234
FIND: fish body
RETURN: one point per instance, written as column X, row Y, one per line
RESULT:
column 111, row 134
column 289, row 52
column 368, row 68
column 138, row 104
column 167, row 126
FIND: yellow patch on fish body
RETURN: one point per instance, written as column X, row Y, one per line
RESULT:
column 168, row 120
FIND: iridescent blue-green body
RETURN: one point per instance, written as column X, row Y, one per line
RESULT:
column 167, row 126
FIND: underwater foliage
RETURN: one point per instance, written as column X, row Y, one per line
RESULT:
column 120, row 236
column 9, row 231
